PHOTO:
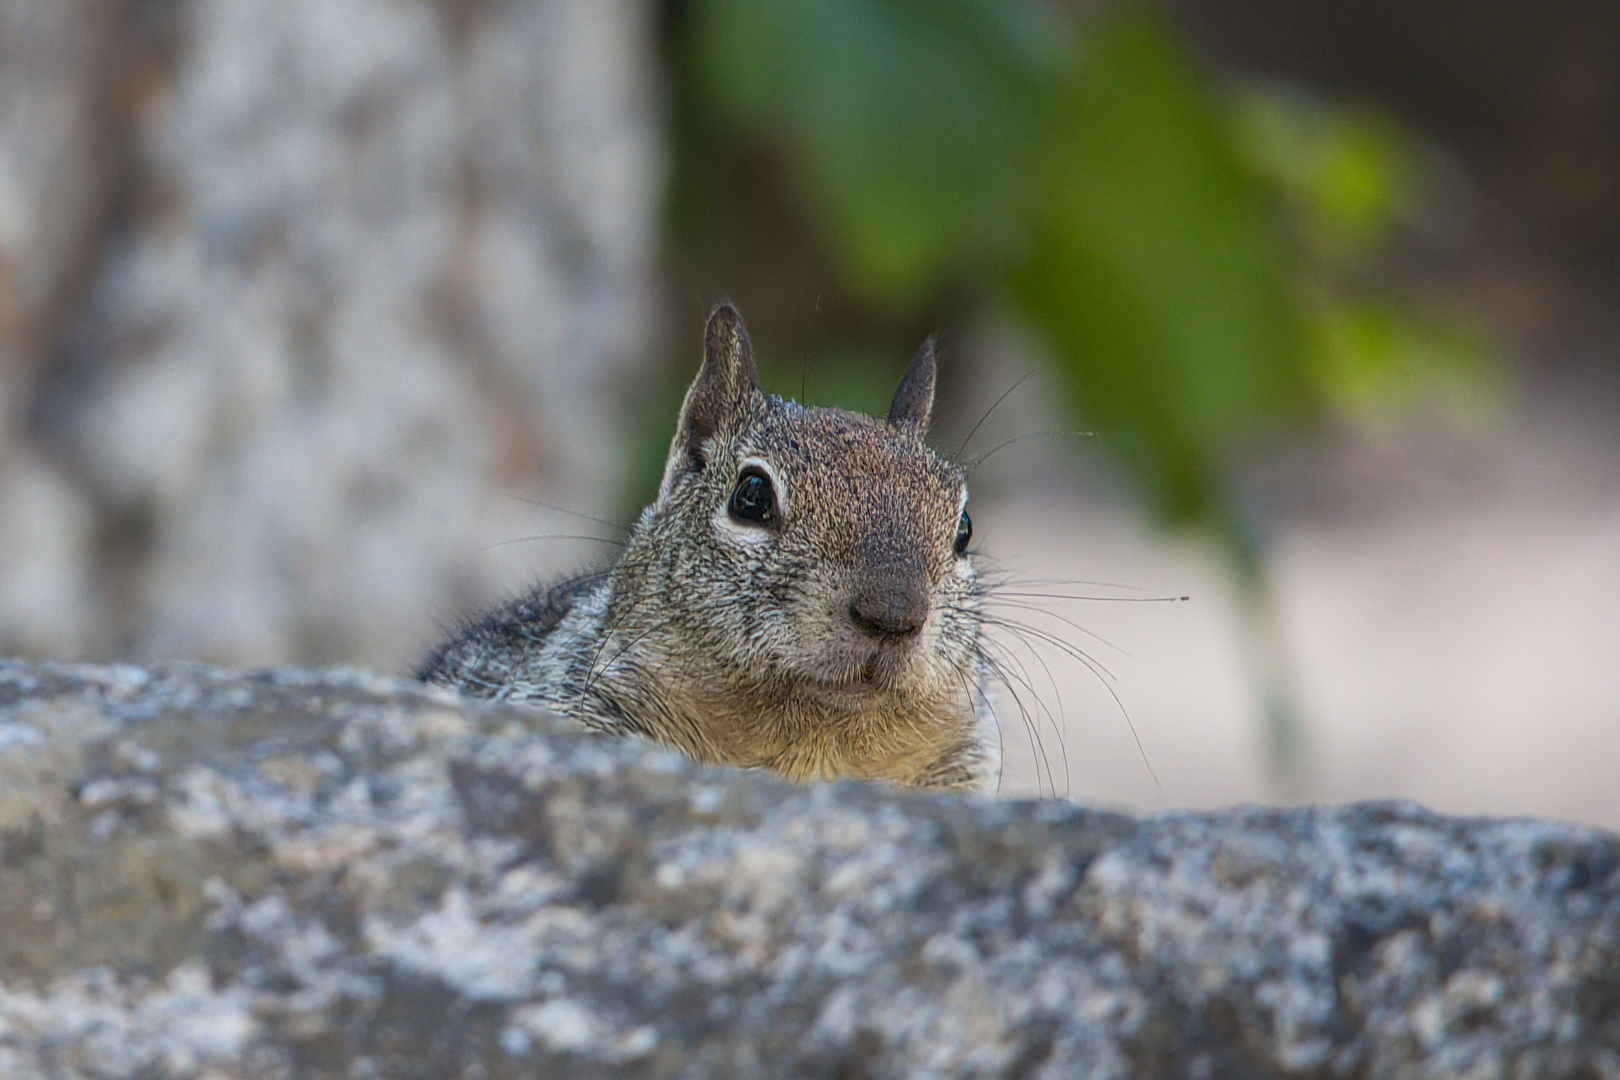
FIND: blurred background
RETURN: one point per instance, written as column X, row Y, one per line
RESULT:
column 323, row 321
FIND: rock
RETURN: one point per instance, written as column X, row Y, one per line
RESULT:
column 367, row 274
column 51, row 174
column 290, row 873
column 52, row 185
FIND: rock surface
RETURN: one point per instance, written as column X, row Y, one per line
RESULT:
column 209, row 873
column 298, row 299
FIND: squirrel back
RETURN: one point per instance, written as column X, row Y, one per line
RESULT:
column 798, row 597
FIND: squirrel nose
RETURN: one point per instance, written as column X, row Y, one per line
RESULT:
column 897, row 610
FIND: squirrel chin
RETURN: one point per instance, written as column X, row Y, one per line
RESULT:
column 853, row 658
column 862, row 690
column 862, row 678
column 857, row 692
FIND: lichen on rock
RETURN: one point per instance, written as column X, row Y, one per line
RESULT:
column 298, row 873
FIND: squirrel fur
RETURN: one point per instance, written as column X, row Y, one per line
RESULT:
column 798, row 597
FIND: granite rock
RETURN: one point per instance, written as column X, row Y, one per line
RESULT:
column 293, row 873
column 299, row 301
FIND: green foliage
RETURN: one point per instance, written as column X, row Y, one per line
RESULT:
column 1346, row 179
column 911, row 119
column 1349, row 175
column 1190, row 257
column 1374, row 360
column 1153, row 269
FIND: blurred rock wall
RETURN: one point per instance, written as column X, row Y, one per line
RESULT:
column 299, row 301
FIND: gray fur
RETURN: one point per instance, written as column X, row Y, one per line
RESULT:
column 842, row 639
column 914, row 398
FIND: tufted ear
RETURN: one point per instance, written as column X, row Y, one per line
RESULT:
column 723, row 391
column 914, row 398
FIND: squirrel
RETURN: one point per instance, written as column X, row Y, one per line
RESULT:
column 799, row 597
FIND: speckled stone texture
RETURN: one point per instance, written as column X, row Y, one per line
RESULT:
column 209, row 873
column 299, row 300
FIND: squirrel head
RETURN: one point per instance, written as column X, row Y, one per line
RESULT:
column 816, row 554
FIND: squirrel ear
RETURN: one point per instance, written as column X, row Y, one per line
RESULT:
column 914, row 398
column 725, row 384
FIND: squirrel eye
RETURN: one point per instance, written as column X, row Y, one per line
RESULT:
column 964, row 533
column 754, row 499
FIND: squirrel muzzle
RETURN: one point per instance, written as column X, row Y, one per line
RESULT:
column 890, row 606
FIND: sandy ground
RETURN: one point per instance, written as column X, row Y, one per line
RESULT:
column 1458, row 643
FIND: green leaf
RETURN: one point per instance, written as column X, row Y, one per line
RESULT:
column 911, row 120
column 1154, row 270
column 1348, row 174
column 1375, row 361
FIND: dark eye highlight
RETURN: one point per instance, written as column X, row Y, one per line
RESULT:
column 964, row 533
column 754, row 499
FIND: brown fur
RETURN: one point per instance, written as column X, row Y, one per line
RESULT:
column 840, row 638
